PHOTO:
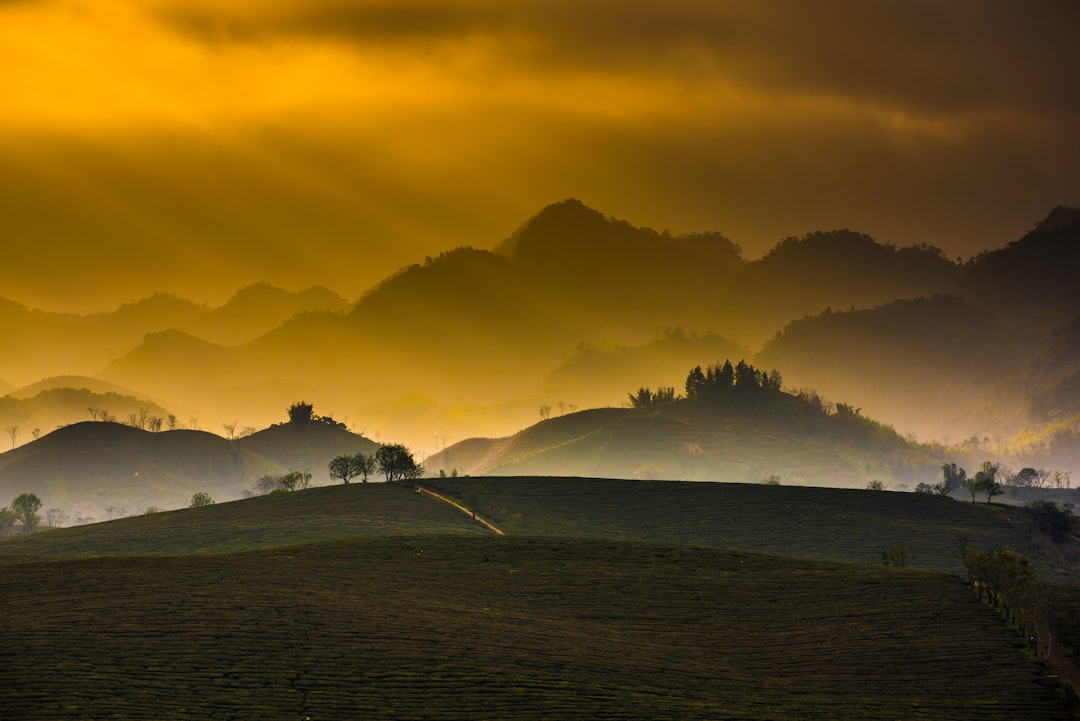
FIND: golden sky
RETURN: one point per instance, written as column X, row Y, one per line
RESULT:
column 194, row 146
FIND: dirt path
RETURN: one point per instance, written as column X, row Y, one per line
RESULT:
column 463, row 509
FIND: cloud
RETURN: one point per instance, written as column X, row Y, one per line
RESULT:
column 924, row 54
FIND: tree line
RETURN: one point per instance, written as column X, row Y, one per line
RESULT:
column 715, row 383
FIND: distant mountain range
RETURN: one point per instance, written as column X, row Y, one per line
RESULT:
column 575, row 310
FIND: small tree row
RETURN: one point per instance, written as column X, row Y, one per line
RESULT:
column 394, row 461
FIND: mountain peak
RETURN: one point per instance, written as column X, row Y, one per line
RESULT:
column 1060, row 217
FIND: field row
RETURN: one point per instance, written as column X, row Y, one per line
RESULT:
column 484, row 627
column 842, row 524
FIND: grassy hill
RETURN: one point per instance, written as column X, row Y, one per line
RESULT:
column 372, row 600
column 276, row 520
column 86, row 467
column 466, row 628
column 823, row 523
column 744, row 440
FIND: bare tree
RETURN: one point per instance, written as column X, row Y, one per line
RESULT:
column 230, row 430
column 36, row 433
column 13, row 431
column 56, row 517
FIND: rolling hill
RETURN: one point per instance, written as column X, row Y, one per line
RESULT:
column 89, row 467
column 359, row 601
column 741, row 439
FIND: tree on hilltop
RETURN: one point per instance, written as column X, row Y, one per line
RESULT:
column 396, row 462
column 301, row 412
column 347, row 467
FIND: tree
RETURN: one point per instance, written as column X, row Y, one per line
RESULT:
column 545, row 411
column 230, row 430
column 953, row 478
column 56, row 517
column 365, row 465
column 348, row 466
column 36, row 433
column 301, row 412
column 7, row 520
column 26, row 508
column 13, row 431
column 396, row 462
column 986, row 482
column 875, row 485
column 1055, row 522
column 201, row 500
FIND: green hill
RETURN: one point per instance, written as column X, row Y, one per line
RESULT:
column 821, row 523
column 277, row 520
column 373, row 600
column 741, row 438
column 89, row 467
column 471, row 627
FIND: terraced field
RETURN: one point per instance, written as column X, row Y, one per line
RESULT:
column 472, row 627
column 826, row 523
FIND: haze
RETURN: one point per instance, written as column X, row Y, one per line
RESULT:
column 173, row 145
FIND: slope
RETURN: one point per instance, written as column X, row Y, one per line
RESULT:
column 744, row 437
column 824, row 523
column 464, row 628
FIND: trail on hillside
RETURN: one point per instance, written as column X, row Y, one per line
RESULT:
column 472, row 514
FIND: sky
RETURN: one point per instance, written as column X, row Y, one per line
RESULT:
column 195, row 146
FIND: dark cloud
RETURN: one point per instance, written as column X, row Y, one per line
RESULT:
column 921, row 53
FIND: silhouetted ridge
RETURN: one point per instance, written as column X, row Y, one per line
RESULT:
column 1060, row 217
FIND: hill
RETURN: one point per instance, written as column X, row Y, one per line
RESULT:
column 820, row 523
column 739, row 436
column 55, row 405
column 924, row 363
column 467, row 627
column 327, row 602
column 90, row 467
column 41, row 344
column 278, row 520
column 1032, row 283
column 529, row 324
column 837, row 269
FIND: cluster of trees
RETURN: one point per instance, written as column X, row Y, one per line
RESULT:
column 955, row 478
column 394, row 461
column 991, row 479
column 302, row 412
column 272, row 483
column 713, row 384
column 1006, row 580
column 24, row 509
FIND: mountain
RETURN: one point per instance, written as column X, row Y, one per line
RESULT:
column 41, row 344
column 72, row 382
column 473, row 339
column 1032, row 283
column 88, row 467
column 54, row 406
column 924, row 363
column 832, row 270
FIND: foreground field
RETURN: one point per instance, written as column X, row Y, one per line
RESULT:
column 475, row 627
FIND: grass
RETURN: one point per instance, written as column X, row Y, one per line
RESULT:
column 276, row 520
column 614, row 600
column 482, row 627
column 825, row 523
